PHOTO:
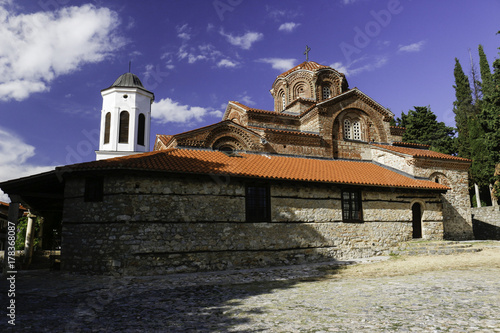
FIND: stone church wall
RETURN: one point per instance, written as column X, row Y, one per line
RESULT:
column 457, row 221
column 148, row 226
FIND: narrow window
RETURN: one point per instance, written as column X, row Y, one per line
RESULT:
column 351, row 206
column 283, row 103
column 124, row 121
column 356, row 130
column 326, row 92
column 94, row 188
column 258, row 203
column 347, row 129
column 141, row 130
column 107, row 126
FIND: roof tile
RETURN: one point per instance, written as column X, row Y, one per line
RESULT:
column 422, row 153
column 261, row 166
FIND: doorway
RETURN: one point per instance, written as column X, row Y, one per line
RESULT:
column 417, row 220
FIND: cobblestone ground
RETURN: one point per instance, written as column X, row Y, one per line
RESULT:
column 286, row 299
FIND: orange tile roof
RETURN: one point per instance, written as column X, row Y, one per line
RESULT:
column 307, row 65
column 261, row 166
column 423, row 153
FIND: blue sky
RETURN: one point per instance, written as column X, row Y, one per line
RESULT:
column 56, row 56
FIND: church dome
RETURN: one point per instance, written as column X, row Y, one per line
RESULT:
column 128, row 80
column 306, row 65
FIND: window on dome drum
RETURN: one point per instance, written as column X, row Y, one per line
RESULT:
column 107, row 126
column 94, row 189
column 258, row 203
column 351, row 206
column 326, row 92
column 124, row 123
column 141, row 129
column 283, row 103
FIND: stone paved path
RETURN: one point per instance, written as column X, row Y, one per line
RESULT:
column 286, row 299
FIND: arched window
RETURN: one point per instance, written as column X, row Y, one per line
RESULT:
column 326, row 92
column 281, row 101
column 124, row 123
column 300, row 90
column 356, row 130
column 352, row 130
column 141, row 129
column 107, row 126
column 347, row 129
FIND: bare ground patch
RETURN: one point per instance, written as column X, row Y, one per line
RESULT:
column 489, row 257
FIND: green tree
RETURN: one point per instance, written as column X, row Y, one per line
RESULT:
column 489, row 120
column 422, row 127
column 484, row 67
column 480, row 154
column 463, row 109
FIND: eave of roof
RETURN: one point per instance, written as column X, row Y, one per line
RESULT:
column 353, row 91
column 198, row 161
column 423, row 153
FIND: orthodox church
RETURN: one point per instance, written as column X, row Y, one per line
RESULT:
column 322, row 176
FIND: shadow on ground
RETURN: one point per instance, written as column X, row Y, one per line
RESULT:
column 61, row 302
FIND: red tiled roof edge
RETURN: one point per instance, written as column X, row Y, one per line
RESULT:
column 423, row 153
column 198, row 161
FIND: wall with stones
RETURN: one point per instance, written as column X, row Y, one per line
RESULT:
column 457, row 219
column 157, row 225
column 486, row 222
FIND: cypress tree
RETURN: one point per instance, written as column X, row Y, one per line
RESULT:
column 422, row 127
column 490, row 123
column 463, row 109
column 484, row 68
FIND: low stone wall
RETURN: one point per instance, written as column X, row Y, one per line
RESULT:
column 486, row 222
column 149, row 226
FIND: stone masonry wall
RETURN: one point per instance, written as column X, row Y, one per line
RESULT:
column 147, row 226
column 457, row 220
column 486, row 222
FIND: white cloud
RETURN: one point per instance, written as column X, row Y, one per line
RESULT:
column 244, row 41
column 288, row 27
column 339, row 66
column 14, row 155
column 184, row 32
column 279, row 63
column 415, row 47
column 245, row 99
column 355, row 68
column 36, row 48
column 168, row 111
column 227, row 63
column 348, row 2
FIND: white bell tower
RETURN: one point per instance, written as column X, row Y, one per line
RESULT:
column 125, row 118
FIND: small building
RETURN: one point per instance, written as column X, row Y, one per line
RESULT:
column 322, row 176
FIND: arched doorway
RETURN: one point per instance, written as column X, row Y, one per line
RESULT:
column 417, row 220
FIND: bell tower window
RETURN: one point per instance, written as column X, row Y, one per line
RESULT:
column 124, row 123
column 107, row 126
column 141, row 130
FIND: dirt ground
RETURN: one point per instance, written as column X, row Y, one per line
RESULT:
column 407, row 265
